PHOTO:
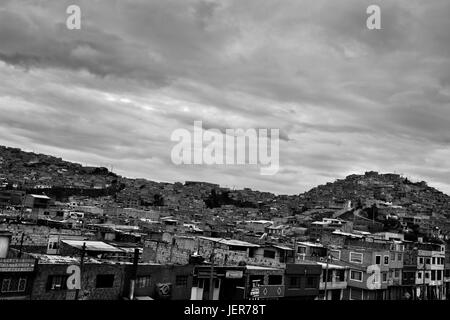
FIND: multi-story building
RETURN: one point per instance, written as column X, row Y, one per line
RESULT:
column 395, row 290
column 333, row 281
column 430, row 271
column 447, row 274
column 368, row 264
column 237, row 282
column 16, row 272
column 423, row 271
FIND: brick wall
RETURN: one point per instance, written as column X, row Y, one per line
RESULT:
column 162, row 252
column 161, row 274
column 35, row 236
column 89, row 276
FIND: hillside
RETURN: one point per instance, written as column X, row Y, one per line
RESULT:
column 54, row 176
column 415, row 197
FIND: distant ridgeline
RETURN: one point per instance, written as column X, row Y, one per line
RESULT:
column 39, row 173
column 62, row 194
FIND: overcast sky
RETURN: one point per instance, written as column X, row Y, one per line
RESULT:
column 346, row 99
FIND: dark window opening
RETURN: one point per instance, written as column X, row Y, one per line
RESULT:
column 143, row 282
column 105, row 281
column 310, row 282
column 181, row 280
column 269, row 254
column 294, row 282
column 13, row 285
column 57, row 283
column 275, row 280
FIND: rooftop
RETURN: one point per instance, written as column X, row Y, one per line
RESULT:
column 38, row 196
column 232, row 242
column 92, row 245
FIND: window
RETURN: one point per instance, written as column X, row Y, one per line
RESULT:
column 393, row 256
column 335, row 254
column 428, row 261
column 384, row 276
column 433, row 275
column 399, row 257
column 386, row 260
column 294, row 282
column 427, row 275
column 14, row 285
column 143, row 282
column 330, row 276
column 356, row 294
column 377, row 259
column 105, row 281
column 269, row 254
column 356, row 275
column 420, row 260
column 434, row 260
column 181, row 281
column 198, row 283
column 5, row 284
column 397, row 274
column 356, row 257
column 57, row 282
column 310, row 282
column 419, row 275
column 439, row 275
column 275, row 279
column 22, row 284
column 340, row 275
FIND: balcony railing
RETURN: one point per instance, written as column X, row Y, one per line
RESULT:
column 17, row 265
column 333, row 285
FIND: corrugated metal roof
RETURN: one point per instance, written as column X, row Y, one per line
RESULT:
column 263, row 268
column 232, row 242
column 282, row 247
column 92, row 245
column 331, row 266
column 39, row 196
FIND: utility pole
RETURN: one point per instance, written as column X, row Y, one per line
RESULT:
column 83, row 251
column 424, row 272
column 21, row 245
column 326, row 278
column 211, row 274
column 134, row 273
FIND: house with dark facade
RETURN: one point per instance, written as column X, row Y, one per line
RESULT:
column 16, row 272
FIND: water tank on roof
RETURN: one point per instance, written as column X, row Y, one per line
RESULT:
column 5, row 238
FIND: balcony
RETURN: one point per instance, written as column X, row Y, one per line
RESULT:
column 333, row 285
column 394, row 282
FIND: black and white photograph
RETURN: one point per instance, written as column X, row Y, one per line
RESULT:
column 230, row 154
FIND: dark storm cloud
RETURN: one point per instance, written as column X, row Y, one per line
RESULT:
column 346, row 99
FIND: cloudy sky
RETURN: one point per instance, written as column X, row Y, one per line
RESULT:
column 346, row 99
